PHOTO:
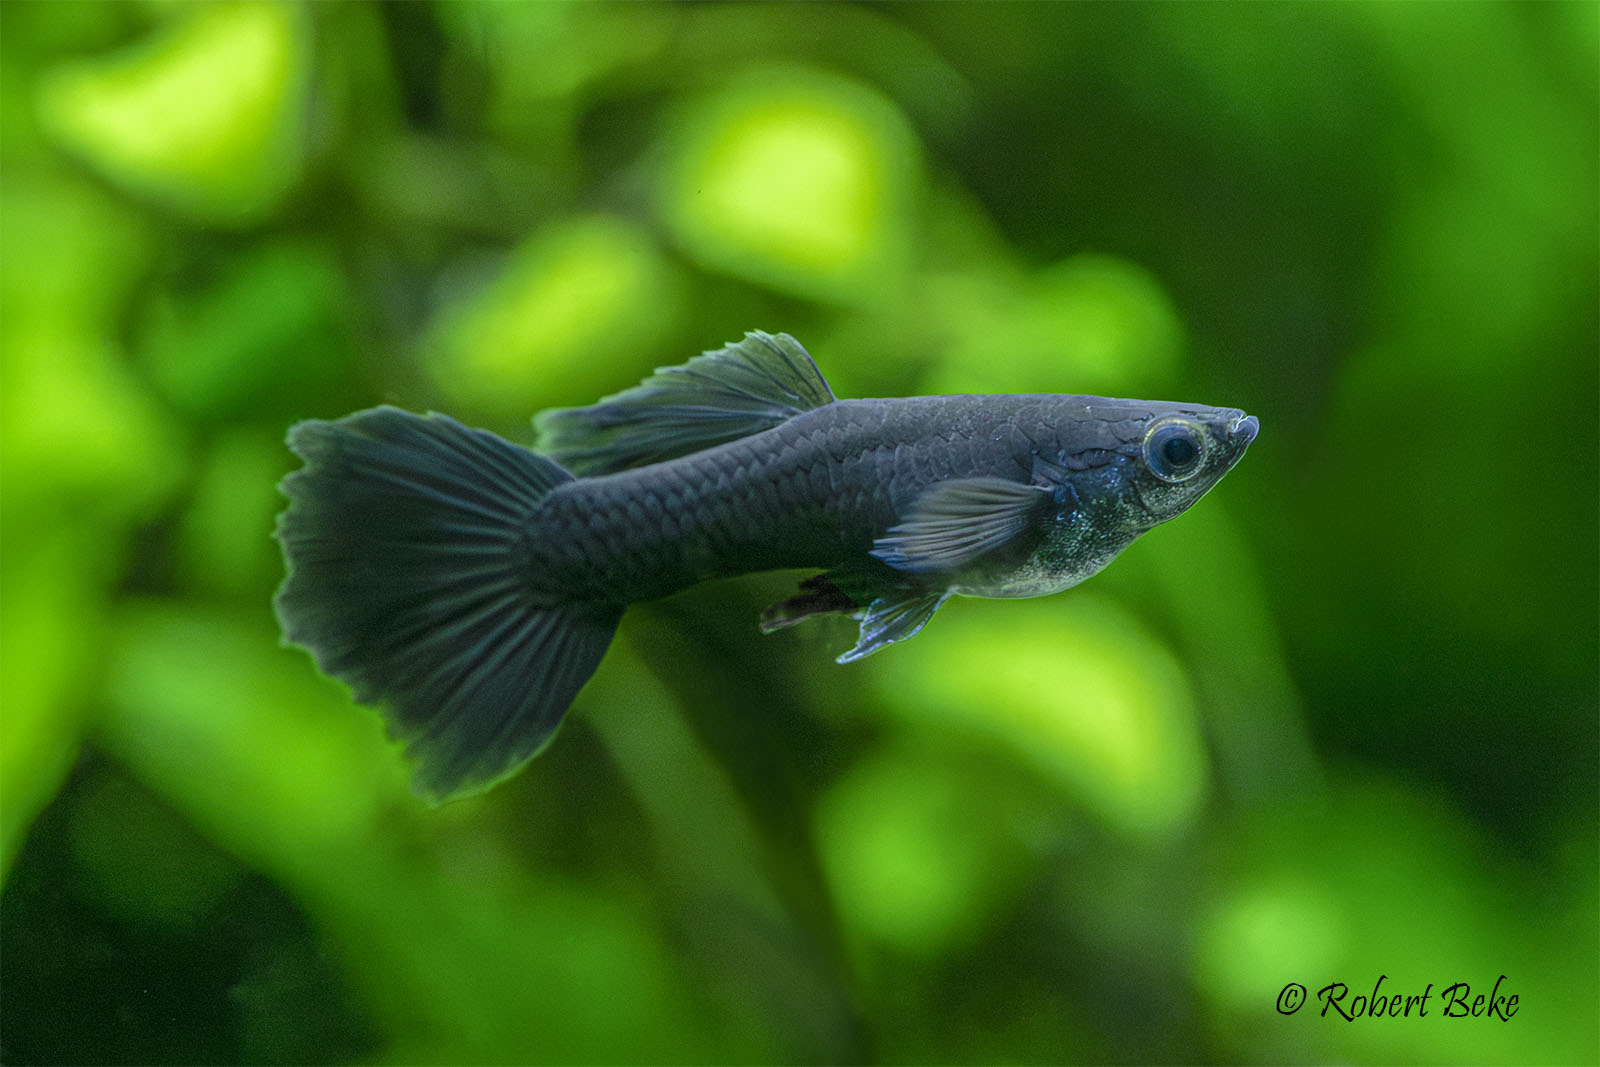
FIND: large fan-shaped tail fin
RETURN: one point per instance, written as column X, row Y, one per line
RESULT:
column 409, row 578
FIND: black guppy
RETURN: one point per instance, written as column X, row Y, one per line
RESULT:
column 470, row 586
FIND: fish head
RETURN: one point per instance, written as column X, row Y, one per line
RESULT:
column 1171, row 455
column 1139, row 463
column 1117, row 468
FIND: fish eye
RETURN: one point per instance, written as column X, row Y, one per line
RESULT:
column 1174, row 449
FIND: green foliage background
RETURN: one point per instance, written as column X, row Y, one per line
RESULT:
column 1338, row 722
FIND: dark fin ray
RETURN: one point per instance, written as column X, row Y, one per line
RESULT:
column 957, row 521
column 720, row 396
column 890, row 620
column 818, row 596
column 406, row 540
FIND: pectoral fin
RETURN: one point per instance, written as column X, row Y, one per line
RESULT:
column 889, row 620
column 957, row 521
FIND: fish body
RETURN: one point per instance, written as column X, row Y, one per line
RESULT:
column 471, row 586
column 821, row 488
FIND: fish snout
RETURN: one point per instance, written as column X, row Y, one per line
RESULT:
column 1244, row 429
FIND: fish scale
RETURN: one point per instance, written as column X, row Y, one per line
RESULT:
column 855, row 481
column 469, row 586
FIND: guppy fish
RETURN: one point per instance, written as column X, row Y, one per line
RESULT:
column 470, row 586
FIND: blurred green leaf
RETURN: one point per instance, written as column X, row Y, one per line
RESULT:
column 76, row 423
column 922, row 851
column 224, row 542
column 578, row 44
column 572, row 302
column 271, row 328
column 84, row 455
column 798, row 180
column 199, row 688
column 1071, row 686
column 1089, row 324
column 49, row 629
column 208, row 116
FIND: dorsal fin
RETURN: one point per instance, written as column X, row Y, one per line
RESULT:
column 741, row 389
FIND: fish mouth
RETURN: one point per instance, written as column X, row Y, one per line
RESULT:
column 1244, row 430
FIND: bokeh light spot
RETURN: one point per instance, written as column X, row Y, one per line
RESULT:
column 800, row 182
column 573, row 301
column 207, row 117
column 1073, row 687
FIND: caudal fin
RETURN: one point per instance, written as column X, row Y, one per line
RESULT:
column 409, row 579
